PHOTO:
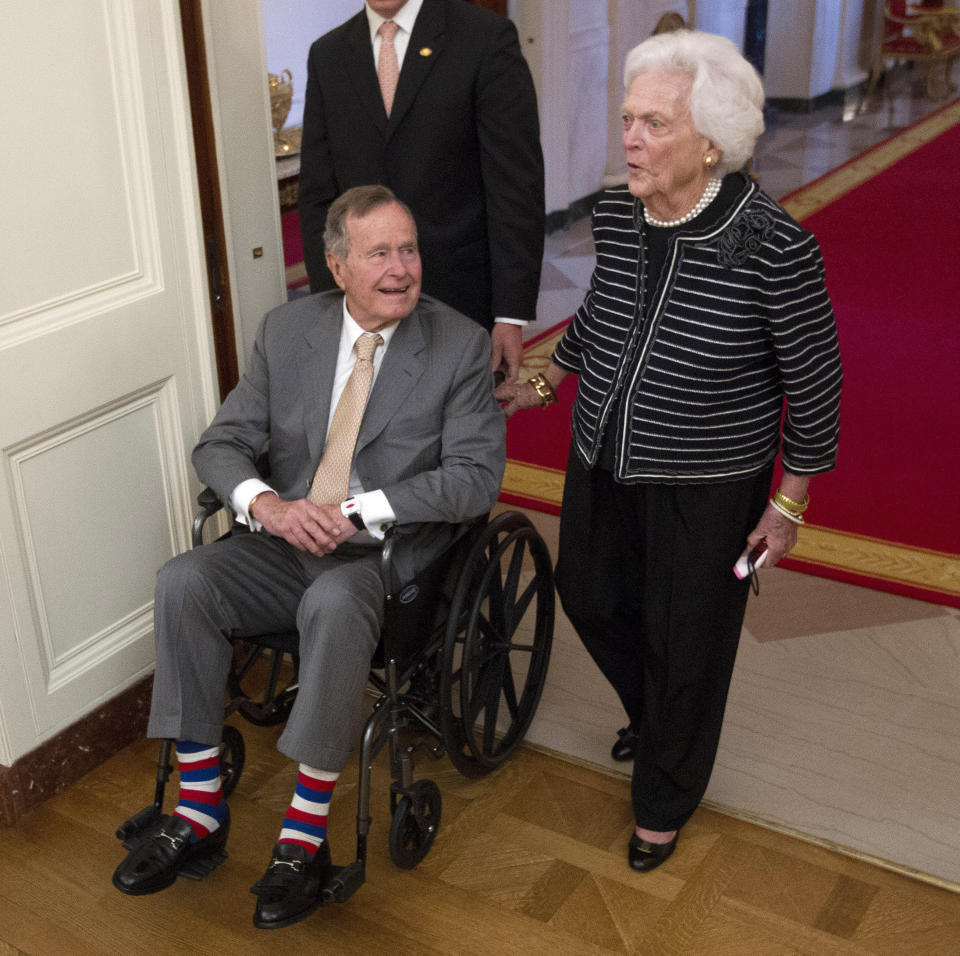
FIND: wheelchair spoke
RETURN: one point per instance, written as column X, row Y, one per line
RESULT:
column 256, row 652
column 521, row 605
column 512, row 583
column 494, row 597
column 491, row 633
column 487, row 687
column 510, row 691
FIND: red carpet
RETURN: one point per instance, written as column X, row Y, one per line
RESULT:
column 888, row 517
column 293, row 250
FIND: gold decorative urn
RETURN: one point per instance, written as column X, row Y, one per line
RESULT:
column 281, row 96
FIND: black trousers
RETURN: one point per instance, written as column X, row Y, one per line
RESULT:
column 645, row 574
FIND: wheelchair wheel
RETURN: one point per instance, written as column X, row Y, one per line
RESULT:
column 497, row 644
column 415, row 823
column 233, row 752
column 263, row 682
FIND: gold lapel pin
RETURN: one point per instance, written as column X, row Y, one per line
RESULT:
column 425, row 51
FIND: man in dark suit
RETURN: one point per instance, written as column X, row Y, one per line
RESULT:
column 460, row 145
column 426, row 449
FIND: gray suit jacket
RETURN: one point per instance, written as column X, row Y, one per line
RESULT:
column 432, row 437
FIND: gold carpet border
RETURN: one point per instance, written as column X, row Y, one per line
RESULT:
column 831, row 187
column 935, row 571
column 536, row 482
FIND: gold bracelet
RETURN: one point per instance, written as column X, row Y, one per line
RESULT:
column 544, row 389
column 252, row 500
column 789, row 515
column 794, row 507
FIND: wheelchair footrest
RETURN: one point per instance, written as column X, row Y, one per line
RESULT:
column 140, row 827
column 197, row 869
column 346, row 880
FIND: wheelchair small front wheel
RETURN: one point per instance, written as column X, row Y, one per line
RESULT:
column 233, row 752
column 415, row 823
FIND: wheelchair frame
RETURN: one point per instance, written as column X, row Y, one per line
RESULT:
column 470, row 634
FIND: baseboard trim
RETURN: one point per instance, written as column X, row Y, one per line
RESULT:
column 61, row 761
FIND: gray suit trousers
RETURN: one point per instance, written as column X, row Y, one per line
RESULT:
column 255, row 584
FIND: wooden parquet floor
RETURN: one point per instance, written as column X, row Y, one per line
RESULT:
column 529, row 860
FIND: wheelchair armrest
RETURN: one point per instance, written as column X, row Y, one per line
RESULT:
column 209, row 504
column 386, row 557
column 387, row 574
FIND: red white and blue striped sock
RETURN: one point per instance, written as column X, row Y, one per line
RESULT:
column 306, row 821
column 201, row 801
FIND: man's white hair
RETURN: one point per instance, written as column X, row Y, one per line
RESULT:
column 726, row 99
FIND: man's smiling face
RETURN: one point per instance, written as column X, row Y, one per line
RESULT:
column 381, row 274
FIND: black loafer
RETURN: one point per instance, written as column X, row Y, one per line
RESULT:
column 292, row 887
column 645, row 856
column 163, row 851
column 626, row 744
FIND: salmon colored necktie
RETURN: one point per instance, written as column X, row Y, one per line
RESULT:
column 331, row 481
column 388, row 67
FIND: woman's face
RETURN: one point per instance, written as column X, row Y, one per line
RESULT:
column 665, row 154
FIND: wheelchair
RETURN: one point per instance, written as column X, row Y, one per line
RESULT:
column 459, row 671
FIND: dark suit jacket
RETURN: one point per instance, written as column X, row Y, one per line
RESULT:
column 461, row 148
column 432, row 436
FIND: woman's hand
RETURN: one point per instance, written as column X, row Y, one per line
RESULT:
column 779, row 534
column 514, row 396
column 776, row 530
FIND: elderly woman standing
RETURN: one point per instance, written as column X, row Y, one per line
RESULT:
column 707, row 309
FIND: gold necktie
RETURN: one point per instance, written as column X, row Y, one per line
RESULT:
column 331, row 481
column 388, row 67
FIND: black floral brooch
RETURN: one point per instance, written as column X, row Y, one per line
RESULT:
column 744, row 237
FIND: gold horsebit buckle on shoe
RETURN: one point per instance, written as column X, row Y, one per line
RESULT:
column 176, row 841
column 295, row 865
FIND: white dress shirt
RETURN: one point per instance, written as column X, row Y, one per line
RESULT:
column 405, row 19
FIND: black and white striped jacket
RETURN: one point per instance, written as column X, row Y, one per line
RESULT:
column 741, row 321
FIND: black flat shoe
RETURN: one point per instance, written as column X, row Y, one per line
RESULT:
column 292, row 887
column 645, row 856
column 163, row 851
column 626, row 744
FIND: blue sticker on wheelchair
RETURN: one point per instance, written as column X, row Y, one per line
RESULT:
column 409, row 594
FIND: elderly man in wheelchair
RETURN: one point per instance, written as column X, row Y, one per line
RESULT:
column 376, row 407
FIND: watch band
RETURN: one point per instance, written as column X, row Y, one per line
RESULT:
column 357, row 521
column 351, row 510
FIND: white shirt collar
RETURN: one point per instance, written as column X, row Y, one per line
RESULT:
column 404, row 19
column 352, row 331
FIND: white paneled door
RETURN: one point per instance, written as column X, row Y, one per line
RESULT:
column 105, row 361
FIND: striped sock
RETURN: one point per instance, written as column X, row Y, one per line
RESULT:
column 201, row 801
column 306, row 821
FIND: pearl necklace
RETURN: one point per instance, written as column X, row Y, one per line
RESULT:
column 709, row 194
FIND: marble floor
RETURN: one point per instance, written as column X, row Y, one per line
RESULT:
column 843, row 723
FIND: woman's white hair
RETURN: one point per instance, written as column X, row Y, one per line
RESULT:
column 726, row 100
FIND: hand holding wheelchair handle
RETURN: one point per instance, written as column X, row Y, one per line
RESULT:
column 307, row 526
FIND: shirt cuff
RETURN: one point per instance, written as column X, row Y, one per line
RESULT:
column 240, row 500
column 375, row 511
column 505, row 321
